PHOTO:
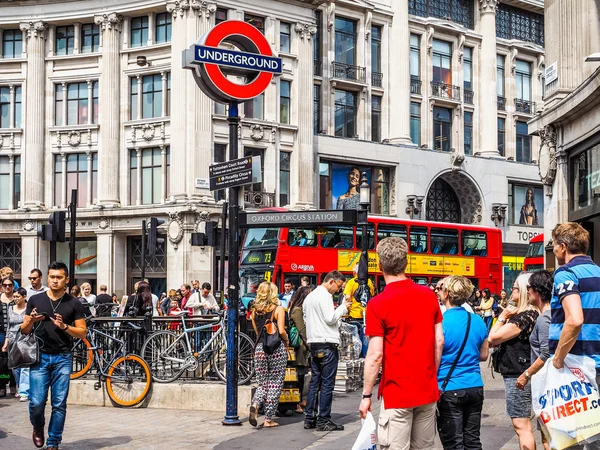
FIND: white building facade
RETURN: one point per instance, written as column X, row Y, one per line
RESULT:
column 429, row 97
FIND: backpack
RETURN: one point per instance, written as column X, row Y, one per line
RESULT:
column 271, row 339
column 362, row 293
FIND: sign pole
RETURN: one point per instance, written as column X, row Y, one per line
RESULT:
column 72, row 236
column 222, row 252
column 143, row 261
column 231, row 414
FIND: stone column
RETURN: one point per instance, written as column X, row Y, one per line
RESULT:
column 399, row 91
column 488, row 107
column 110, row 129
column 34, row 251
column 35, row 34
column 306, row 151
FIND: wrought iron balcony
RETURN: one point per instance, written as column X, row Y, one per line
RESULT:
column 254, row 199
column 318, row 65
column 376, row 79
column 501, row 103
column 415, row 85
column 524, row 106
column 443, row 90
column 348, row 72
column 469, row 97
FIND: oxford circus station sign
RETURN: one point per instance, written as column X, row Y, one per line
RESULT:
column 218, row 69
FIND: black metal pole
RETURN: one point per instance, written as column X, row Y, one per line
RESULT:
column 72, row 236
column 222, row 251
column 231, row 414
column 143, row 262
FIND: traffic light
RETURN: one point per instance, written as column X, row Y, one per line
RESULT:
column 55, row 230
column 211, row 233
column 154, row 235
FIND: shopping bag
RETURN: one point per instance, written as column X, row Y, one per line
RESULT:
column 367, row 439
column 566, row 402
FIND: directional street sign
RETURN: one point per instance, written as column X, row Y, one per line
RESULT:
column 237, row 172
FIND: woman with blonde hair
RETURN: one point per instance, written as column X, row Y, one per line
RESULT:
column 269, row 367
column 513, row 357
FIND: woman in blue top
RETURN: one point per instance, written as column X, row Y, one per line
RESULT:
column 461, row 401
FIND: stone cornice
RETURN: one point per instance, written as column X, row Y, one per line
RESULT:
column 305, row 30
column 490, row 6
column 110, row 21
column 202, row 8
column 34, row 29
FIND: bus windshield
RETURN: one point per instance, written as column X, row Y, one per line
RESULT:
column 535, row 249
column 249, row 281
column 261, row 237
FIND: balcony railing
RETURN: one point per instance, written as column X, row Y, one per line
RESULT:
column 469, row 97
column 501, row 103
column 254, row 199
column 348, row 72
column 443, row 90
column 318, row 65
column 524, row 106
column 376, row 79
column 415, row 85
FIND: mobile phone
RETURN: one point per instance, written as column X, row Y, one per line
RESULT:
column 46, row 316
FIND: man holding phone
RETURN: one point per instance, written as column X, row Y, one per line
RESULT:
column 56, row 317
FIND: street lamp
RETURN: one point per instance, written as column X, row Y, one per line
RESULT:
column 363, row 265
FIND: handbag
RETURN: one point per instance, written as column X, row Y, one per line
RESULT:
column 24, row 351
column 460, row 351
column 295, row 339
column 271, row 339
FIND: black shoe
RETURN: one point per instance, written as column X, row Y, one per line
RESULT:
column 38, row 437
column 329, row 426
column 309, row 425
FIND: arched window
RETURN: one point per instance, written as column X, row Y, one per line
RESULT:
column 442, row 203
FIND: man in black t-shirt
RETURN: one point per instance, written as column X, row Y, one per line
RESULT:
column 56, row 318
column 104, row 302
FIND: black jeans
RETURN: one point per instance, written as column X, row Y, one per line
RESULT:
column 459, row 419
column 324, row 369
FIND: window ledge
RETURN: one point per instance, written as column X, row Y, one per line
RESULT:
column 92, row 126
column 143, row 48
column 11, row 130
column 4, row 60
column 288, row 55
column 77, row 56
column 132, row 123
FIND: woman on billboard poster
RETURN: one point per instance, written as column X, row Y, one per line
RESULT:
column 351, row 199
column 529, row 215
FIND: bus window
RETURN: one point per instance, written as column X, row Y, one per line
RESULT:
column 338, row 237
column 385, row 231
column 418, row 240
column 444, row 241
column 258, row 237
column 380, row 284
column 302, row 237
column 434, row 280
column 474, row 243
column 420, row 280
column 370, row 232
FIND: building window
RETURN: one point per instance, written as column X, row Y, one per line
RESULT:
column 220, row 155
column 249, row 151
column 526, row 204
column 285, row 35
column 516, row 23
column 8, row 104
column 284, row 178
column 442, row 204
column 345, row 41
column 146, row 170
column 523, row 80
column 317, row 55
column 254, row 108
column 459, row 11
column 5, row 178
column 257, row 21
column 502, row 136
column 376, row 118
column 65, row 40
column 500, row 75
column 415, row 123
column 75, row 172
column 376, row 73
column 152, row 96
column 284, row 101
column 468, row 74
column 139, row 31
column 90, row 38
column 78, row 100
column 523, row 143
column 316, row 108
column 415, row 64
column 220, row 15
column 12, row 43
column 345, row 114
column 442, row 129
column 163, row 28
column 442, row 62
column 468, row 133
column 168, row 96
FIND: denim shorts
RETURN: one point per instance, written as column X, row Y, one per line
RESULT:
column 518, row 402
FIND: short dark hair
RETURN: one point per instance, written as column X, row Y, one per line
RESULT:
column 542, row 282
column 38, row 271
column 21, row 291
column 187, row 286
column 206, row 285
column 287, row 281
column 59, row 265
column 334, row 275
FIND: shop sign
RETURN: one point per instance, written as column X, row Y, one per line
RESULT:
column 298, row 218
column 514, row 263
column 521, row 235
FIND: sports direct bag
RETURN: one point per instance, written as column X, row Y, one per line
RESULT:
column 565, row 402
column 367, row 439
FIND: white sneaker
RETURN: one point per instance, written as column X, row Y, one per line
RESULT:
column 24, row 399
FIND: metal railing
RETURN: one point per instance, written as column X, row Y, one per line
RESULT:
column 524, row 106
column 259, row 199
column 377, row 79
column 348, row 72
column 501, row 103
column 318, row 68
column 443, row 90
column 415, row 85
column 469, row 97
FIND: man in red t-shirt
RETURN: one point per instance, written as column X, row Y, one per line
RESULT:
column 404, row 324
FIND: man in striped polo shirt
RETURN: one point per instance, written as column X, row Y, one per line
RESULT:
column 575, row 301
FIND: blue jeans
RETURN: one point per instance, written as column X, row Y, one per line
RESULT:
column 324, row 369
column 22, row 377
column 358, row 323
column 52, row 372
column 488, row 322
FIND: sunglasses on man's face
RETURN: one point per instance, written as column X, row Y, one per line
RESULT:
column 33, row 278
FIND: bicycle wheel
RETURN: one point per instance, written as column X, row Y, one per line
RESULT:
column 245, row 359
column 128, row 380
column 83, row 356
column 166, row 356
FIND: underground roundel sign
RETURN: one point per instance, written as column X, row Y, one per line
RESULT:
column 228, row 74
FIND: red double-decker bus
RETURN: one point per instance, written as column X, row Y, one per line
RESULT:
column 436, row 250
column 534, row 259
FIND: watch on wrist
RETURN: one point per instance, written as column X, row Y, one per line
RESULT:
column 367, row 395
column 66, row 327
column 501, row 320
column 527, row 375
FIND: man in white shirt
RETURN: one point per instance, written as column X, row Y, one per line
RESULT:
column 35, row 277
column 323, row 336
column 203, row 301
